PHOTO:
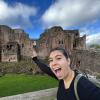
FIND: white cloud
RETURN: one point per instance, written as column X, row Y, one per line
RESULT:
column 81, row 13
column 93, row 39
column 71, row 12
column 17, row 14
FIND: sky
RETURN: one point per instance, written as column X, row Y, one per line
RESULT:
column 34, row 16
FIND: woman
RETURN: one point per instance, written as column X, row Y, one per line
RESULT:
column 59, row 68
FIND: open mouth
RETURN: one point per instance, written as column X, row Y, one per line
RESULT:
column 57, row 70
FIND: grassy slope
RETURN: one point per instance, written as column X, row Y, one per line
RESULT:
column 12, row 84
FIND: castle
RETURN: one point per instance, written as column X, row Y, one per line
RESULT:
column 57, row 37
column 15, row 44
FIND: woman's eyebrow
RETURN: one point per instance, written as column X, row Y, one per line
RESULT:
column 58, row 55
column 55, row 56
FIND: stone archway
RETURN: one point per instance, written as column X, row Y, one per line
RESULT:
column 10, row 52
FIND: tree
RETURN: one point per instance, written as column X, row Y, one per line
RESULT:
column 95, row 46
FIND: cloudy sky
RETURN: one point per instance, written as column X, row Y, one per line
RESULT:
column 34, row 16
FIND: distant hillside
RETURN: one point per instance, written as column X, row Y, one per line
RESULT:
column 96, row 46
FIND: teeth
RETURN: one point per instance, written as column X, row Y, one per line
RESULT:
column 57, row 69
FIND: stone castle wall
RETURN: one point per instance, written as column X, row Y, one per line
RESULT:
column 51, row 38
column 15, row 43
column 86, row 60
column 57, row 37
column 10, row 38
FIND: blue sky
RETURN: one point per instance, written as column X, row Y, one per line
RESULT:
column 34, row 16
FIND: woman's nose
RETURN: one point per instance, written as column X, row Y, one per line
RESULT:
column 54, row 63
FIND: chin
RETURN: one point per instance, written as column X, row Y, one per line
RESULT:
column 60, row 78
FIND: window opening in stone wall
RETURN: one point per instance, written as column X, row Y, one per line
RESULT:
column 78, row 64
column 74, row 44
column 22, row 45
column 60, row 42
column 11, row 46
column 76, row 34
column 8, row 47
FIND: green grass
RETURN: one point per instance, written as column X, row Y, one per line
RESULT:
column 12, row 84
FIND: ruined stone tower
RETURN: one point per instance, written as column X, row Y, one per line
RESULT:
column 57, row 37
column 14, row 44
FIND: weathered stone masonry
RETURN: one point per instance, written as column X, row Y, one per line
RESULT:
column 16, row 44
column 57, row 37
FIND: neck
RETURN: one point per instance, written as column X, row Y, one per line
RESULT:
column 68, row 79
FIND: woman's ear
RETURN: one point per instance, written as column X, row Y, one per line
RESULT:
column 68, row 61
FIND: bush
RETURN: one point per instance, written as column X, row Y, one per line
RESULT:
column 27, row 67
column 98, row 76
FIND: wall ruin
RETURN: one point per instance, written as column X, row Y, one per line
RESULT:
column 15, row 43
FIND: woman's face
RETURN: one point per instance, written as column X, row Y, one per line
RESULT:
column 59, row 64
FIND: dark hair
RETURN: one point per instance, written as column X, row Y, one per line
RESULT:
column 63, row 51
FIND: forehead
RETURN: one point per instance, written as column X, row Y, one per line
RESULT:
column 56, row 53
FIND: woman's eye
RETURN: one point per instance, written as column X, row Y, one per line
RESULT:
column 58, row 58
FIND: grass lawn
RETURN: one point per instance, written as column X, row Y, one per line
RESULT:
column 12, row 84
